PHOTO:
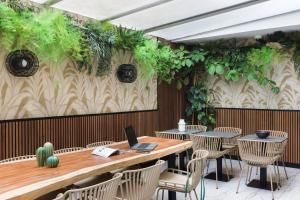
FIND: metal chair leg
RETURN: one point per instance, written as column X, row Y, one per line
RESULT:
column 208, row 161
column 163, row 194
column 247, row 174
column 271, row 184
column 283, row 164
column 237, row 190
column 226, row 168
column 157, row 193
column 196, row 194
column 276, row 175
column 256, row 171
column 190, row 196
column 231, row 168
column 239, row 159
column 250, row 174
column 216, row 175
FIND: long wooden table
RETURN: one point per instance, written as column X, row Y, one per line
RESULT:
column 24, row 180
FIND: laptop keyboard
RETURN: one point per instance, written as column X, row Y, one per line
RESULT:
column 143, row 145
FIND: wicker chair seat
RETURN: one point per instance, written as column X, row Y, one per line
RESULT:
column 260, row 160
column 216, row 154
column 174, row 181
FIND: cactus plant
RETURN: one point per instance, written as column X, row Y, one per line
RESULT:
column 40, row 156
column 48, row 149
column 52, row 161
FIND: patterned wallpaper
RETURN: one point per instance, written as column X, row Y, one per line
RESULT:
column 62, row 90
column 244, row 94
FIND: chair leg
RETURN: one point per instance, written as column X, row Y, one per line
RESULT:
column 247, row 174
column 231, row 168
column 216, row 175
column 196, row 194
column 185, row 196
column 250, row 174
column 271, row 184
column 190, row 196
column 207, row 166
column 256, row 171
column 237, row 190
column 276, row 175
column 239, row 159
column 283, row 164
column 226, row 168
column 157, row 193
column 163, row 194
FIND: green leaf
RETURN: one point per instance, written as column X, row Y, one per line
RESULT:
column 211, row 69
column 219, row 69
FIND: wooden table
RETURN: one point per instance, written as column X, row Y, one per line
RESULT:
column 222, row 135
column 262, row 183
column 24, row 180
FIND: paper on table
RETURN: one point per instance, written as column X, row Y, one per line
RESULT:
column 105, row 151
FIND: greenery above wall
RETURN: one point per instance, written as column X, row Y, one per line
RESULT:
column 251, row 63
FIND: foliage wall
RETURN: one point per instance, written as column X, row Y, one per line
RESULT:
column 63, row 90
column 248, row 94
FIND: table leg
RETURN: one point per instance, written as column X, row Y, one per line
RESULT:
column 181, row 158
column 262, row 183
column 171, row 164
column 221, row 177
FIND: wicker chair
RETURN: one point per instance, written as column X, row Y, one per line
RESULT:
column 196, row 127
column 231, row 144
column 106, row 190
column 279, row 149
column 184, row 181
column 98, row 144
column 174, row 136
column 15, row 159
column 67, row 150
column 257, row 154
column 140, row 184
column 212, row 145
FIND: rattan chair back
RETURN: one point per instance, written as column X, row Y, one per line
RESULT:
column 256, row 153
column 18, row 158
column 169, row 135
column 98, row 144
column 141, row 184
column 66, row 150
column 196, row 127
column 106, row 190
column 195, row 167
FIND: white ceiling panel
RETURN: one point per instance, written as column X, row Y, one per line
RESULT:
column 285, row 22
column 172, row 11
column 101, row 9
column 235, row 17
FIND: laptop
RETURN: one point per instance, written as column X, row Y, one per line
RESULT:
column 133, row 142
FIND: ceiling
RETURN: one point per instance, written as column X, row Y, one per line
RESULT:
column 191, row 21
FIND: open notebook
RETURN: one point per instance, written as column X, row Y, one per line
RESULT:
column 105, row 151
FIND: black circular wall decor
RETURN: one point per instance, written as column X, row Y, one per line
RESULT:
column 127, row 73
column 22, row 63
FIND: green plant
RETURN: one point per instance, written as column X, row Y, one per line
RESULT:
column 96, row 47
column 168, row 64
column 252, row 63
column 48, row 147
column 40, row 156
column 52, row 161
column 49, row 34
column 127, row 38
column 200, row 105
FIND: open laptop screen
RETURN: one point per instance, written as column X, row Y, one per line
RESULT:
column 131, row 137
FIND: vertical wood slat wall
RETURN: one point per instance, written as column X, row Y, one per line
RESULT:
column 22, row 137
column 250, row 120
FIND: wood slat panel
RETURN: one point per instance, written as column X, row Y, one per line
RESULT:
column 251, row 120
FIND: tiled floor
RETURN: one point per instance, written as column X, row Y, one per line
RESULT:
column 290, row 189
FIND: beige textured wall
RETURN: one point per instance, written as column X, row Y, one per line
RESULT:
column 62, row 90
column 244, row 94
